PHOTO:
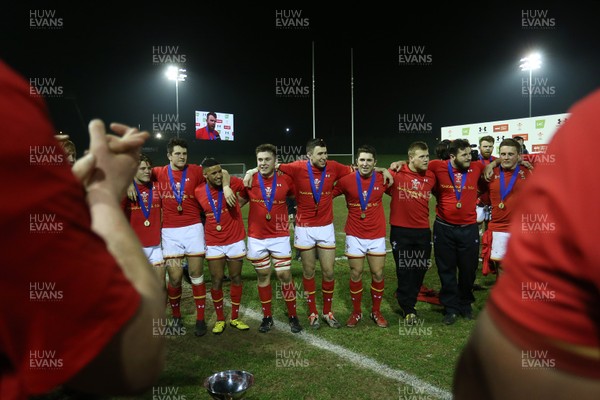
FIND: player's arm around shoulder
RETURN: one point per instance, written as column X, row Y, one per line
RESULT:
column 249, row 176
column 240, row 190
column 338, row 189
column 230, row 196
column 388, row 179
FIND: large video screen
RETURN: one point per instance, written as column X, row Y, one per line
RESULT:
column 213, row 125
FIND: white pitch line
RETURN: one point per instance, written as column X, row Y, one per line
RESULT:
column 356, row 358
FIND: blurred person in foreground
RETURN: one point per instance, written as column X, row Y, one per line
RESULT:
column 539, row 335
column 80, row 294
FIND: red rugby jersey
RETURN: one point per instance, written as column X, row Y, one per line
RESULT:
column 191, row 210
column 148, row 235
column 446, row 198
column 231, row 223
column 501, row 216
column 484, row 197
column 411, row 192
column 307, row 213
column 278, row 225
column 373, row 225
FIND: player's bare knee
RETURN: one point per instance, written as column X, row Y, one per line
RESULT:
column 174, row 280
column 216, row 278
column 263, row 280
column 196, row 270
column 328, row 276
column 236, row 279
column 284, row 276
column 308, row 273
column 377, row 276
column 356, row 275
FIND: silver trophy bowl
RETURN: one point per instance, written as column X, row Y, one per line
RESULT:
column 230, row 384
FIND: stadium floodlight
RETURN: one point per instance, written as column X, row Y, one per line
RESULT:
column 529, row 63
column 176, row 74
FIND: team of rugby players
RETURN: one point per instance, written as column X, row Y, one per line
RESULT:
column 185, row 211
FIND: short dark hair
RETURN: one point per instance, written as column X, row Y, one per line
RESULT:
column 366, row 148
column 266, row 147
column 512, row 143
column 487, row 139
column 518, row 138
column 214, row 114
column 209, row 162
column 441, row 150
column 458, row 144
column 145, row 158
column 312, row 143
column 418, row 145
column 176, row 142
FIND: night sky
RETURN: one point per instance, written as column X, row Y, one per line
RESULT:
column 434, row 65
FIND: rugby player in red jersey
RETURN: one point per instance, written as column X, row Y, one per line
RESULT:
column 269, row 236
column 455, row 230
column 224, row 233
column 365, row 232
column 182, row 230
column 410, row 232
column 314, row 180
column 503, row 189
column 144, row 216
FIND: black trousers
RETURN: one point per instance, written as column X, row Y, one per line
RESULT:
column 411, row 248
column 456, row 250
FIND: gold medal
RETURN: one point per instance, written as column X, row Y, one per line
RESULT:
column 179, row 208
column 362, row 216
column 268, row 216
column 219, row 228
column 501, row 206
column 458, row 205
column 146, row 223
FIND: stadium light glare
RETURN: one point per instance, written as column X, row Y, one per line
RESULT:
column 529, row 63
column 174, row 73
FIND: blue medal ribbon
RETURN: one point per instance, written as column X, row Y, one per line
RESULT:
column 483, row 159
column 505, row 190
column 462, row 184
column 269, row 201
column 216, row 210
column 145, row 211
column 364, row 201
column 316, row 193
column 178, row 195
